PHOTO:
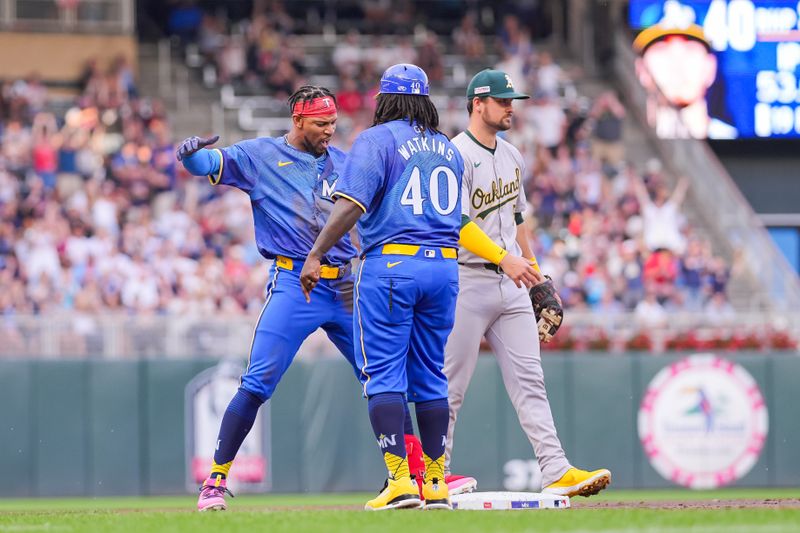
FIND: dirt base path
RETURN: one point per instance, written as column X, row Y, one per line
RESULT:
column 769, row 503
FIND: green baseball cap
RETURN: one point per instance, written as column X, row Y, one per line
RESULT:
column 494, row 83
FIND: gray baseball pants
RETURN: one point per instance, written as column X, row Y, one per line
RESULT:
column 490, row 303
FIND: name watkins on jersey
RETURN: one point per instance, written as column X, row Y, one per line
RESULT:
column 418, row 144
column 498, row 195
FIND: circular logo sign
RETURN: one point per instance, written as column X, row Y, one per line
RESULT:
column 703, row 422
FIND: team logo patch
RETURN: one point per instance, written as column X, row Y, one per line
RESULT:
column 385, row 441
column 703, row 422
column 482, row 90
column 328, row 188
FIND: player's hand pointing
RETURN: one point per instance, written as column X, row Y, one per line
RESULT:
column 520, row 271
column 192, row 145
column 309, row 276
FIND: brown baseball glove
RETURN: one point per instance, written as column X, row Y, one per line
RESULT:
column 547, row 308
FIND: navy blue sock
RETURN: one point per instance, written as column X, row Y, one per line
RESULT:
column 387, row 415
column 409, row 425
column 236, row 424
column 432, row 419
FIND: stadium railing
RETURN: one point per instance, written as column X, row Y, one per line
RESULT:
column 153, row 336
column 108, row 16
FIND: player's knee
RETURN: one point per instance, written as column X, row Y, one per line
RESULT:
column 455, row 399
column 257, row 391
column 252, row 396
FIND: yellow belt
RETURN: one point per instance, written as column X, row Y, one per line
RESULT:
column 413, row 249
column 325, row 272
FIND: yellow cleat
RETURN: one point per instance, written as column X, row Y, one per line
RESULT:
column 436, row 494
column 400, row 493
column 577, row 482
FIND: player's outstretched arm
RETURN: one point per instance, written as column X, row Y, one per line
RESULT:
column 193, row 144
column 195, row 159
column 343, row 217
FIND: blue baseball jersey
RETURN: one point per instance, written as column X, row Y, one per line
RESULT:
column 290, row 192
column 408, row 183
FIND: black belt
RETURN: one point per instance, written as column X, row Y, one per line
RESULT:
column 488, row 266
column 494, row 268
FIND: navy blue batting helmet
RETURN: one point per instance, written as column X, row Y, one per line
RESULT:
column 404, row 78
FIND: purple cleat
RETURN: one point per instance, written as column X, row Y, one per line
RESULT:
column 212, row 495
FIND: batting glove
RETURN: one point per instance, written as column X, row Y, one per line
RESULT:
column 192, row 145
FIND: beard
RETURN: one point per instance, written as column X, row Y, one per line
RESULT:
column 504, row 124
column 316, row 148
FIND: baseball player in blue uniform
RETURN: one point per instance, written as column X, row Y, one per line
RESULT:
column 404, row 177
column 289, row 180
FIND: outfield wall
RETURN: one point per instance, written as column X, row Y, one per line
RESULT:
column 97, row 428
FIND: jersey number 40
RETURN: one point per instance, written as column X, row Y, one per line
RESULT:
column 413, row 194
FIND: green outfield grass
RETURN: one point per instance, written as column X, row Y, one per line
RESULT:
column 341, row 512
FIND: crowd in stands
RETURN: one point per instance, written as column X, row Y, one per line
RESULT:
column 613, row 237
column 97, row 218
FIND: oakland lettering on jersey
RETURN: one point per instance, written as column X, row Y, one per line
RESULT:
column 429, row 144
column 497, row 195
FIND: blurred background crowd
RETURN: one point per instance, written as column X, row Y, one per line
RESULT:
column 96, row 216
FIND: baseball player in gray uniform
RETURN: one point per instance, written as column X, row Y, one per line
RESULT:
column 493, row 299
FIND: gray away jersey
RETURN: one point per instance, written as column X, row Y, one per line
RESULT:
column 491, row 192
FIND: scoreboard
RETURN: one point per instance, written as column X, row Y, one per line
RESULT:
column 757, row 44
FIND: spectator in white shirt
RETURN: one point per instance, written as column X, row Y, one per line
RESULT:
column 548, row 75
column 347, row 55
column 662, row 219
column 549, row 121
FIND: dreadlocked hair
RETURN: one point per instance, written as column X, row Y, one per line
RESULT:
column 415, row 108
column 306, row 93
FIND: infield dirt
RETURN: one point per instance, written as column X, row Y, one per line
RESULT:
column 752, row 503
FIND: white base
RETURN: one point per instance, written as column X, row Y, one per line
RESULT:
column 508, row 501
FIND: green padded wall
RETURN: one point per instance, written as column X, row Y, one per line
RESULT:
column 100, row 427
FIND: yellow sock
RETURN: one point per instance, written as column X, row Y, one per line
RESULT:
column 220, row 471
column 397, row 466
column 434, row 468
